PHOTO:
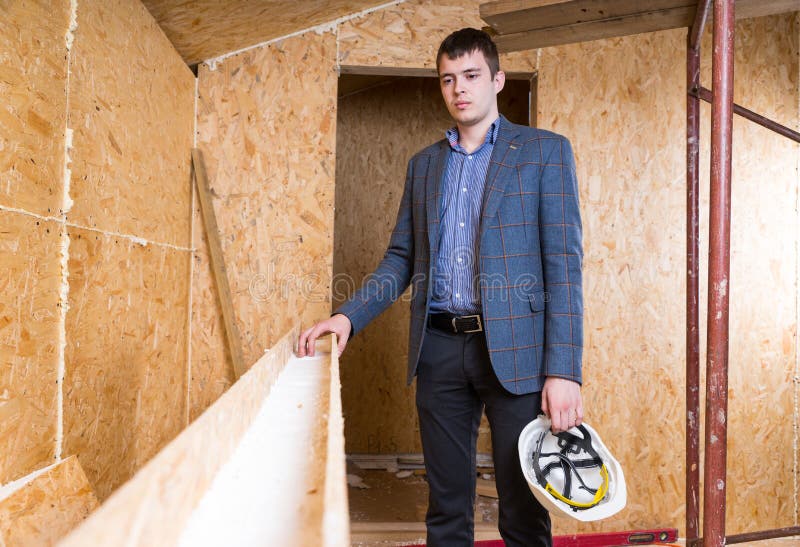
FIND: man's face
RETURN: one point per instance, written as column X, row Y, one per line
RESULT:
column 468, row 89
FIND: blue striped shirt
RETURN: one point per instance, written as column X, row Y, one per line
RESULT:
column 455, row 279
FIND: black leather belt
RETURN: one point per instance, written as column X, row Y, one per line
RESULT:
column 457, row 324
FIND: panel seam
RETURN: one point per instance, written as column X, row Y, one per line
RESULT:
column 61, row 219
column 64, row 241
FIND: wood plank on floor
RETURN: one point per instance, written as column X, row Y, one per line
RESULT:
column 407, row 531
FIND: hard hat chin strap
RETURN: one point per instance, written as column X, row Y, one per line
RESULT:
column 571, row 444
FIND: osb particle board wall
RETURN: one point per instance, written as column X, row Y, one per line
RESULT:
column 126, row 353
column 378, row 130
column 48, row 506
column 132, row 107
column 621, row 101
column 33, row 87
column 131, row 101
column 104, row 261
column 32, row 120
column 266, row 122
column 29, row 300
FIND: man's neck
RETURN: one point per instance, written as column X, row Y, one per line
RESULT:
column 471, row 137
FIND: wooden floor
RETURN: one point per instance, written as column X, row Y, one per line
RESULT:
column 390, row 510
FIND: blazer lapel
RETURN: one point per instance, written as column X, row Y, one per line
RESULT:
column 434, row 182
column 505, row 152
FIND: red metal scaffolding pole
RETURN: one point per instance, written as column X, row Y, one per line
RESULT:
column 714, row 485
column 693, row 274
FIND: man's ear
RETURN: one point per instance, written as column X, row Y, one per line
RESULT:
column 499, row 81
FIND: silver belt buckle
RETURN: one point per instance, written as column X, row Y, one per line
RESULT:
column 477, row 318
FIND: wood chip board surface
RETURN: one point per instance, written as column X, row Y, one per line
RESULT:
column 46, row 506
column 131, row 105
column 30, row 277
column 33, row 81
column 266, row 125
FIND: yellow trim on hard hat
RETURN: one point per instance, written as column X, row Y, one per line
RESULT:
column 601, row 492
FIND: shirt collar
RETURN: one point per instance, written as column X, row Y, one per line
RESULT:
column 491, row 135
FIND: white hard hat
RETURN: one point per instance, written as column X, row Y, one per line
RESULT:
column 571, row 473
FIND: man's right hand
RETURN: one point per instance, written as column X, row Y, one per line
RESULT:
column 338, row 324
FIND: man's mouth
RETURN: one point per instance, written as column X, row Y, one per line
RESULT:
column 462, row 104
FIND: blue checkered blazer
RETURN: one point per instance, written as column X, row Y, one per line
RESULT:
column 529, row 260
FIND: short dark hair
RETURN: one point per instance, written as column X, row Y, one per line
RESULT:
column 466, row 41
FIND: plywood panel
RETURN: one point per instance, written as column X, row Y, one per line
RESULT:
column 33, row 97
column 266, row 125
column 30, row 277
column 125, row 385
column 47, row 507
column 131, row 107
column 627, row 125
column 408, row 35
column 379, row 130
column 204, row 29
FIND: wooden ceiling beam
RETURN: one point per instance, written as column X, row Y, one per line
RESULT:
column 511, row 16
column 529, row 24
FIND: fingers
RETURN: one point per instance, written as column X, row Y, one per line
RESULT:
column 546, row 402
column 299, row 348
column 561, row 401
column 563, row 420
column 302, row 342
column 342, row 343
column 308, row 338
column 343, row 333
column 311, row 342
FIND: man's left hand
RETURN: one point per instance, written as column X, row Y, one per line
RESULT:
column 561, row 401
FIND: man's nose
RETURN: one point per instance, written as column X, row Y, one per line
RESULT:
column 458, row 87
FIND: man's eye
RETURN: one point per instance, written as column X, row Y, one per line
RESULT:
column 472, row 76
column 447, row 81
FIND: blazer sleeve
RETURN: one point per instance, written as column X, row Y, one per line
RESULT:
column 393, row 275
column 560, row 232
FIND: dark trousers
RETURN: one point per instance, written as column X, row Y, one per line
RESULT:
column 455, row 381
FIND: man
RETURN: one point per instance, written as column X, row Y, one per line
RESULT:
column 489, row 233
